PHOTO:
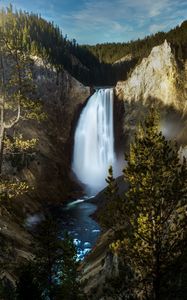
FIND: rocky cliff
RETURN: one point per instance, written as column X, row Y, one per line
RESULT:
column 160, row 80
column 62, row 96
column 154, row 77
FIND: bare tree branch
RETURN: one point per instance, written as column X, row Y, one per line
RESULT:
column 15, row 121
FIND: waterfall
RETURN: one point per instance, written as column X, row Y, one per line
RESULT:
column 94, row 141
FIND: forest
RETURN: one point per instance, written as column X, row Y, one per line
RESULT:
column 111, row 52
column 92, row 65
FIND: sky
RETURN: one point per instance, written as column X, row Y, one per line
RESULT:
column 94, row 21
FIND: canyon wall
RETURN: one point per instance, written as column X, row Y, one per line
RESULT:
column 160, row 80
column 62, row 96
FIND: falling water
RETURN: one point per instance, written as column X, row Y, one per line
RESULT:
column 94, row 141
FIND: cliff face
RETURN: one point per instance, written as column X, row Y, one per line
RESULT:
column 154, row 77
column 62, row 95
column 99, row 267
column 161, row 80
column 126, row 58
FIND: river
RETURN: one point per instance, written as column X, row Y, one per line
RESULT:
column 75, row 218
column 77, row 221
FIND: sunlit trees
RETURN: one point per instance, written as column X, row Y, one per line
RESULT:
column 17, row 101
column 150, row 219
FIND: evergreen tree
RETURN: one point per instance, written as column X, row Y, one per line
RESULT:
column 16, row 85
column 17, row 101
column 55, row 263
column 48, row 256
column 27, row 287
column 7, row 291
column 150, row 219
column 112, row 199
column 70, row 286
column 112, row 188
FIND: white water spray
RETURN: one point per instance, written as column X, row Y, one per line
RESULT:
column 94, row 141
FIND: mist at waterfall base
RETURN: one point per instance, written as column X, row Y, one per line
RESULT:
column 94, row 142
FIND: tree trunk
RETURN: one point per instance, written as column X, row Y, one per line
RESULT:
column 156, row 288
column 2, row 136
column 2, row 125
column 156, row 281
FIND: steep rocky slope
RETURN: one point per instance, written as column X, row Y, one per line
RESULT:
column 62, row 96
column 160, row 80
column 126, row 58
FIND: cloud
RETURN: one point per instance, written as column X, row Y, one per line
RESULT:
column 157, row 27
column 91, row 21
column 124, row 9
column 124, row 19
column 117, row 27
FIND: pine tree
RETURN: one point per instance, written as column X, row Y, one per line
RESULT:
column 27, row 287
column 112, row 188
column 70, row 288
column 17, row 101
column 48, row 256
column 113, row 202
column 55, row 263
column 151, row 218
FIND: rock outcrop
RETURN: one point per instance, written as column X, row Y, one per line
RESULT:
column 98, row 267
column 157, row 80
column 154, row 77
column 126, row 58
column 62, row 95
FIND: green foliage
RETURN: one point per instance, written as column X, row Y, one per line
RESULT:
column 55, row 266
column 48, row 255
column 111, row 52
column 150, row 219
column 10, row 188
column 18, row 101
column 36, row 36
column 19, row 151
column 70, row 287
column 121, row 286
column 27, row 287
column 7, row 291
column 112, row 188
column 113, row 200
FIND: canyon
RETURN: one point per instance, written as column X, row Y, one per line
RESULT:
column 157, row 80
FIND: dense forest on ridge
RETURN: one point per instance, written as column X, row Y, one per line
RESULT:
column 111, row 52
column 92, row 65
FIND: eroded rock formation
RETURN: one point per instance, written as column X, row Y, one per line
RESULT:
column 157, row 80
